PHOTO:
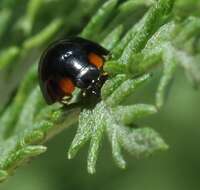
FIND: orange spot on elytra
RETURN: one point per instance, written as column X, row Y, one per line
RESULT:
column 66, row 85
column 95, row 60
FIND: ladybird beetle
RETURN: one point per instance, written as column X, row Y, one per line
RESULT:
column 70, row 63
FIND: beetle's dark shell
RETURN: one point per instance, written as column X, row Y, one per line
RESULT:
column 68, row 59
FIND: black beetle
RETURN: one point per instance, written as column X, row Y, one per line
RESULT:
column 70, row 63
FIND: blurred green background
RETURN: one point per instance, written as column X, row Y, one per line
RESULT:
column 178, row 122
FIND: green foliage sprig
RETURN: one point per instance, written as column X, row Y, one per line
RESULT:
column 141, row 36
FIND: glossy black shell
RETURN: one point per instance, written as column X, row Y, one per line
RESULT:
column 68, row 58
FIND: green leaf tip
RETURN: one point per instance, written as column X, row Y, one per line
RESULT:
column 83, row 133
column 142, row 141
column 129, row 114
column 125, row 89
column 116, row 152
